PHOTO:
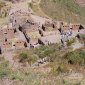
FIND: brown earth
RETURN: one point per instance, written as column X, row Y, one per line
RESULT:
column 81, row 2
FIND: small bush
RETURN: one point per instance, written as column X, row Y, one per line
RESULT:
column 76, row 57
column 27, row 57
column 71, row 41
column 23, row 57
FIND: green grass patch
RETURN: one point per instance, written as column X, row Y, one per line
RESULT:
column 71, row 41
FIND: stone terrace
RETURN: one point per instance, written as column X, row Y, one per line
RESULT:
column 10, row 39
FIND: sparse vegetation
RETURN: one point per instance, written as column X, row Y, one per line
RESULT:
column 60, row 61
column 54, row 54
column 78, row 83
column 37, row 10
column 4, row 69
column 57, row 65
column 71, row 41
column 23, row 57
column 27, row 56
column 83, row 38
column 65, row 10
column 76, row 57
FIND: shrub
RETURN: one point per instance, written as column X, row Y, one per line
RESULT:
column 27, row 57
column 71, row 41
column 46, row 51
column 76, row 57
column 23, row 57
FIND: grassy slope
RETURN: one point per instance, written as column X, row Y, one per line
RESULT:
column 66, row 10
column 42, row 75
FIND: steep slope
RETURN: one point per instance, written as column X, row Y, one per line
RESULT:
column 66, row 10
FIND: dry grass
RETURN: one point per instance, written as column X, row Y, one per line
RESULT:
column 64, row 10
column 37, row 10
